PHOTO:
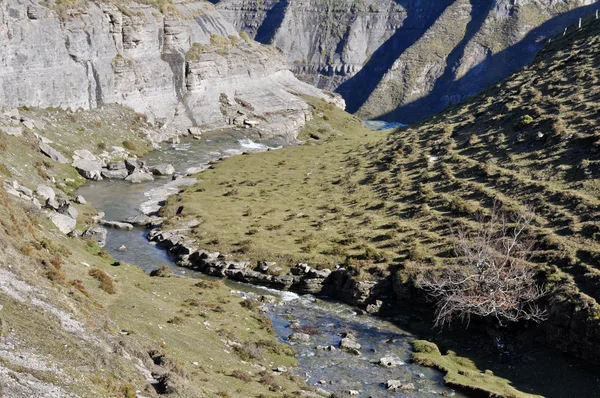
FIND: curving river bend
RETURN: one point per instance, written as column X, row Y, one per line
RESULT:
column 329, row 370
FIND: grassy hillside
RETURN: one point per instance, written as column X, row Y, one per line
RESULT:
column 381, row 202
column 74, row 321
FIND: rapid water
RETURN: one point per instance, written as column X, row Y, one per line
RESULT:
column 549, row 374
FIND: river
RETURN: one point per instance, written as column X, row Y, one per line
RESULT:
column 330, row 370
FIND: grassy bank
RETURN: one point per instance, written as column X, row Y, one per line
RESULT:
column 80, row 322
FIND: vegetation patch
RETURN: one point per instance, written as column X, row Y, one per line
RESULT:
column 462, row 373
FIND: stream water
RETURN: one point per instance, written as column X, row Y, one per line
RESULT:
column 333, row 370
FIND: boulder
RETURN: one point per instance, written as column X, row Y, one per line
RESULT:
column 15, row 131
column 68, row 210
column 120, row 165
column 143, row 220
column 90, row 169
column 85, row 154
column 299, row 338
column 374, row 308
column 138, row 177
column 97, row 234
column 132, row 165
column 162, row 170
column 117, row 225
column 390, row 362
column 45, row 192
column 350, row 344
column 64, row 223
column 52, row 153
column 120, row 174
column 80, row 199
column 28, row 123
column 393, row 385
column 195, row 131
column 25, row 191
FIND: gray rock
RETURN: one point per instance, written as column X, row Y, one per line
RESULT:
column 52, row 153
column 97, row 234
column 374, row 308
column 90, row 169
column 64, row 223
column 52, row 203
column 116, row 225
column 15, row 131
column 132, row 165
column 299, row 338
column 138, row 177
column 119, row 174
column 25, row 191
column 45, row 192
column 319, row 273
column 143, row 220
column 29, row 124
column 120, row 165
column 393, row 385
column 162, row 170
column 80, row 199
column 350, row 344
column 195, row 131
column 390, row 362
column 85, row 154
column 408, row 387
column 68, row 210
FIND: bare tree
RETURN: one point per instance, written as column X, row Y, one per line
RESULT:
column 494, row 278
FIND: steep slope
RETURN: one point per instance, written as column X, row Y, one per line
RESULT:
column 76, row 323
column 384, row 208
column 402, row 60
column 182, row 65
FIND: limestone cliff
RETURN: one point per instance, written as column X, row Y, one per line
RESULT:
column 401, row 60
column 172, row 64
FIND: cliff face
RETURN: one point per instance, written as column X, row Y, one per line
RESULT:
column 172, row 66
column 402, row 60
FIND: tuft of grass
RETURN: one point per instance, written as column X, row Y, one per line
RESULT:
column 106, row 282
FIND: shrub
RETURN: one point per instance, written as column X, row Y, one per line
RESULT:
column 494, row 279
column 176, row 320
column 130, row 146
column 243, row 376
column 526, row 120
column 106, row 282
column 162, row 272
column 473, row 140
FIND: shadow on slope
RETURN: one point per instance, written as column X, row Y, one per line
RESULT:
column 493, row 69
column 357, row 89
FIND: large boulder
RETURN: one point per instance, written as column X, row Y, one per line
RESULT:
column 90, row 169
column 68, row 210
column 64, row 223
column 139, row 176
column 45, row 192
column 115, row 174
column 117, row 225
column 97, row 234
column 162, row 170
column 52, row 153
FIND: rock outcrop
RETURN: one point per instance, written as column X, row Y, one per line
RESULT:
column 182, row 68
column 402, row 60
